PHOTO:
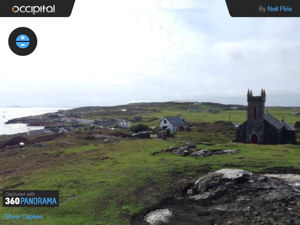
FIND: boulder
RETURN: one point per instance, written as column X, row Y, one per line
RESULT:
column 215, row 182
column 21, row 144
column 158, row 217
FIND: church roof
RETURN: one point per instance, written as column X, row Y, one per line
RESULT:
column 276, row 123
column 273, row 121
column 290, row 127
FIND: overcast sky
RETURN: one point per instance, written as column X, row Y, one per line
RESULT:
column 117, row 52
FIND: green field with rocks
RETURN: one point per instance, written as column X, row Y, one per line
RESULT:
column 108, row 181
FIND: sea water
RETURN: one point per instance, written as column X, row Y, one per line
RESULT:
column 17, row 112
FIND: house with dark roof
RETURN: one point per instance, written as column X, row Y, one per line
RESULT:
column 173, row 123
column 263, row 128
column 106, row 123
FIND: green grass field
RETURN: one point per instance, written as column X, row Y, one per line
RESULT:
column 107, row 183
column 235, row 116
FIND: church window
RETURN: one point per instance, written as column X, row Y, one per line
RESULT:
column 254, row 115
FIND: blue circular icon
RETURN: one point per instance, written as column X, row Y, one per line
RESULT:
column 23, row 41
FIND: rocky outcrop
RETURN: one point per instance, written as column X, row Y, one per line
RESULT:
column 191, row 150
column 184, row 150
column 215, row 184
column 233, row 196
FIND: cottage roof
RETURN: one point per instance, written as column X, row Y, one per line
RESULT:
column 176, row 121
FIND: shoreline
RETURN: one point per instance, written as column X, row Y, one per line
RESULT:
column 20, row 126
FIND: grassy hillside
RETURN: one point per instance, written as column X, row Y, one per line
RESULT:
column 106, row 183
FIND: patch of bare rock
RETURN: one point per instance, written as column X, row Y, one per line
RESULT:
column 231, row 196
column 158, row 216
column 191, row 150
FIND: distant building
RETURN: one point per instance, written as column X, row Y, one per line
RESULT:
column 261, row 127
column 39, row 132
column 105, row 123
column 173, row 123
column 124, row 124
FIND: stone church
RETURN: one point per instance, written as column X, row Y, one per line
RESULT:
column 261, row 127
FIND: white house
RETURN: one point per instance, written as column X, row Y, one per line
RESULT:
column 124, row 124
column 173, row 123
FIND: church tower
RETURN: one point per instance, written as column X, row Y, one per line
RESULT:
column 255, row 117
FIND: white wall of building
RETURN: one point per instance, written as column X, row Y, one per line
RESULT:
column 165, row 123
